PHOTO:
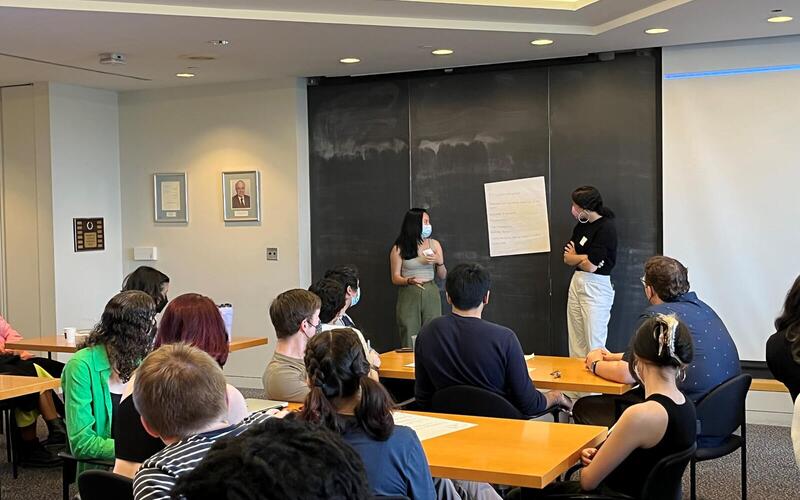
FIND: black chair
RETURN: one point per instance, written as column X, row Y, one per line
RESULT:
column 719, row 414
column 664, row 482
column 69, row 468
column 104, row 485
column 386, row 497
column 478, row 402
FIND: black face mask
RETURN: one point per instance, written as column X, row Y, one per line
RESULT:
column 161, row 304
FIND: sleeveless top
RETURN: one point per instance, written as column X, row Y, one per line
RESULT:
column 629, row 476
column 417, row 268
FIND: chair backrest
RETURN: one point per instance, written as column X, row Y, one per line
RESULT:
column 721, row 411
column 666, row 479
column 104, row 485
column 475, row 401
column 386, row 497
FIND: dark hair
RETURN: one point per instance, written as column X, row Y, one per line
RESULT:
column 150, row 281
column 346, row 275
column 290, row 308
column 410, row 233
column 668, row 277
column 124, row 330
column 333, row 296
column 663, row 340
column 467, row 284
column 195, row 320
column 588, row 198
column 275, row 460
column 337, row 368
column 789, row 319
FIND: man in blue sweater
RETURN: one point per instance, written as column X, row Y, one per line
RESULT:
column 666, row 286
column 463, row 349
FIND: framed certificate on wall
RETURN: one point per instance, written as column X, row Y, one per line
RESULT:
column 170, row 195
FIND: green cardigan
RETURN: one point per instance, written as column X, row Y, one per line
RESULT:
column 88, row 404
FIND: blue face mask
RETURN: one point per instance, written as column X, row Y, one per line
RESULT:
column 427, row 229
column 356, row 297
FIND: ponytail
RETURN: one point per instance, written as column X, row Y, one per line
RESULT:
column 319, row 410
column 589, row 198
column 374, row 412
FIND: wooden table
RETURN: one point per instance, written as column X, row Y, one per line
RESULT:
column 525, row 453
column 574, row 375
column 12, row 386
column 58, row 343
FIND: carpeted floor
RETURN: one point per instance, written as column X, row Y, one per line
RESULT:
column 772, row 473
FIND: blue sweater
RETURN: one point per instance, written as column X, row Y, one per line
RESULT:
column 395, row 467
column 455, row 350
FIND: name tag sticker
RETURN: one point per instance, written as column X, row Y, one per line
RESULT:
column 584, row 240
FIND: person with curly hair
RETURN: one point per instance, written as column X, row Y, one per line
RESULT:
column 276, row 460
column 666, row 286
column 94, row 378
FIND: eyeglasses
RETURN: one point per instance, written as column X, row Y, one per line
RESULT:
column 644, row 282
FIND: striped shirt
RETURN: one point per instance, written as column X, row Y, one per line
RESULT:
column 159, row 473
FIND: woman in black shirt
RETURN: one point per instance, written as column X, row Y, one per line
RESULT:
column 592, row 251
column 783, row 347
column 662, row 425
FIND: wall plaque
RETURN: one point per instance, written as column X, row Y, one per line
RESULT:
column 89, row 234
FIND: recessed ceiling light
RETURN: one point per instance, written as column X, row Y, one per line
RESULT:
column 219, row 43
column 541, row 41
column 350, row 60
column 185, row 75
column 780, row 19
column 442, row 52
column 656, row 31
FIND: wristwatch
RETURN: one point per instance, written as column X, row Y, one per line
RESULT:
column 594, row 366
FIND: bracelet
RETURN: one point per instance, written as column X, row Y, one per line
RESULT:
column 594, row 366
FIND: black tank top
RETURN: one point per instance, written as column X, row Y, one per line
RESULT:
column 630, row 475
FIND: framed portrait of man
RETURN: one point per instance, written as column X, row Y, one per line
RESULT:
column 241, row 196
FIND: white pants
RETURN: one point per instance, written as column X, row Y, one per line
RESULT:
column 588, row 310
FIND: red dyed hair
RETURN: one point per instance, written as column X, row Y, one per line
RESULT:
column 194, row 319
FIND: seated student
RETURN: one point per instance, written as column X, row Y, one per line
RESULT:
column 278, row 460
column 663, row 424
column 666, row 285
column 195, row 320
column 150, row 281
column 181, row 393
column 463, row 349
column 348, row 277
column 95, row 377
column 344, row 399
column 333, row 295
column 783, row 347
column 295, row 316
column 28, row 408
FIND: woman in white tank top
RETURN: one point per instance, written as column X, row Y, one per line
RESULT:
column 416, row 260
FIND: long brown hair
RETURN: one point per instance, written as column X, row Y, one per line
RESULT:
column 337, row 368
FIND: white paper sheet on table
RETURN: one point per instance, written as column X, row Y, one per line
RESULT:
column 516, row 215
column 429, row 427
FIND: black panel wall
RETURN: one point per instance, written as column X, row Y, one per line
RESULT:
column 358, row 147
column 379, row 147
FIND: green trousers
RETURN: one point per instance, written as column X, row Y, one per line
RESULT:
column 415, row 307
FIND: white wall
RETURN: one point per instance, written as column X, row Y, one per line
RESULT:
column 731, row 171
column 84, row 142
column 205, row 130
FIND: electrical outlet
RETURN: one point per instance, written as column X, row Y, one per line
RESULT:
column 272, row 254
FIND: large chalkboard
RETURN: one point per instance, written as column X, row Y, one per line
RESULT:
column 468, row 130
column 358, row 147
column 381, row 146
